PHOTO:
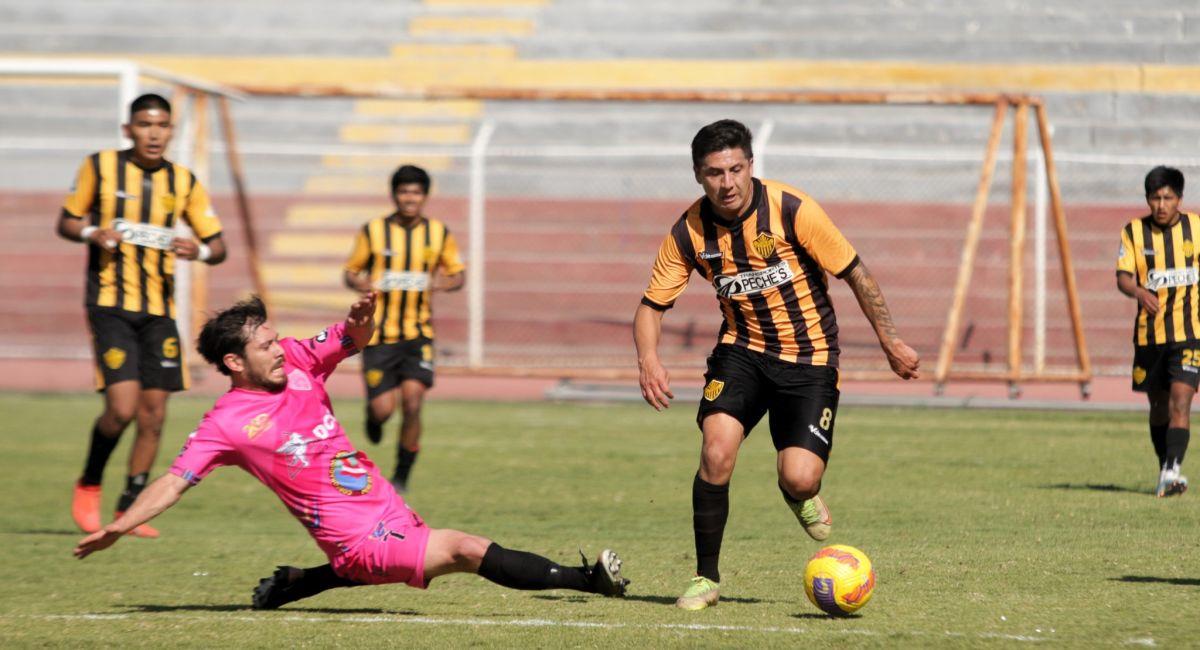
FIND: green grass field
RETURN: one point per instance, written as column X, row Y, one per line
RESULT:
column 986, row 528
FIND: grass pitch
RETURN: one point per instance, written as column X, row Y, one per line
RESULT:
column 986, row 528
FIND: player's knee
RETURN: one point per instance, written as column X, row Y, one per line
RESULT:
column 717, row 463
column 411, row 407
column 119, row 416
column 468, row 550
column 801, row 483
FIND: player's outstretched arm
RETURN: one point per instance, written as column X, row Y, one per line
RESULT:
column 654, row 379
column 360, row 322
column 156, row 498
column 901, row 357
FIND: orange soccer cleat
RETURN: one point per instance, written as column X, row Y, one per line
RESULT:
column 144, row 530
column 85, row 507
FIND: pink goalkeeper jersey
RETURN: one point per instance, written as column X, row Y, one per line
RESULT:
column 292, row 443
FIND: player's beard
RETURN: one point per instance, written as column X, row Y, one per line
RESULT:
column 269, row 383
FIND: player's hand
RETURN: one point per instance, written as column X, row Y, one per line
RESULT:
column 186, row 248
column 362, row 312
column 97, row 541
column 904, row 360
column 1147, row 299
column 105, row 238
column 656, row 383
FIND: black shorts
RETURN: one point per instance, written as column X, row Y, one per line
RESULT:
column 387, row 364
column 130, row 345
column 801, row 399
column 1156, row 367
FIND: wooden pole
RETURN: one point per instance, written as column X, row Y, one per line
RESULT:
column 243, row 203
column 1064, row 247
column 385, row 91
column 1016, row 275
column 200, row 166
column 967, row 263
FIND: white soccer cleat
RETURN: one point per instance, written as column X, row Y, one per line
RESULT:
column 1171, row 482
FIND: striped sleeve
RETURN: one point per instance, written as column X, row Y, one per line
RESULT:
column 79, row 200
column 1125, row 258
column 672, row 268
column 823, row 241
column 360, row 255
column 200, row 214
column 450, row 261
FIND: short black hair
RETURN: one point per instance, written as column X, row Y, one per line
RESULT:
column 147, row 102
column 229, row 331
column 410, row 174
column 719, row 136
column 1163, row 176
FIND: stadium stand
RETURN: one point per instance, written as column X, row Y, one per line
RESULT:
column 570, row 238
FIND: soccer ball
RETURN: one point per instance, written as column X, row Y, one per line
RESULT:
column 839, row 579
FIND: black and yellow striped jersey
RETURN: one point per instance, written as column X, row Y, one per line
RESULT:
column 402, row 260
column 1164, row 261
column 767, row 268
column 111, row 191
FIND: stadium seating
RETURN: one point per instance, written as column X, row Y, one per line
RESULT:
column 544, row 209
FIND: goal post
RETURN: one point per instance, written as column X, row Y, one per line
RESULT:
column 1016, row 369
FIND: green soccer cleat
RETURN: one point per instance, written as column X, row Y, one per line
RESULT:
column 814, row 516
column 701, row 593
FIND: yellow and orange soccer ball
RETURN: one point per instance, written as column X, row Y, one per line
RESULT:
column 839, row 579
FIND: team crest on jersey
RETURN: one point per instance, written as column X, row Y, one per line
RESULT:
column 713, row 390
column 374, row 377
column 168, row 203
column 296, row 448
column 260, row 423
column 323, row 336
column 114, row 358
column 764, row 245
column 348, row 474
column 1188, row 249
column 1139, row 374
column 298, row 381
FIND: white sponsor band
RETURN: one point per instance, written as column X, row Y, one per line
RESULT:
column 753, row 281
column 1168, row 278
column 403, row 281
column 144, row 234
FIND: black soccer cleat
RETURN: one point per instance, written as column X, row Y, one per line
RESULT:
column 605, row 575
column 273, row 592
column 374, row 431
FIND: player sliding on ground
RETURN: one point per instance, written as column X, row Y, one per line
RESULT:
column 276, row 423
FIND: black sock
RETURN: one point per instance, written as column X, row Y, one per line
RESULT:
column 99, row 450
column 374, row 428
column 1176, row 445
column 404, row 463
column 133, row 487
column 521, row 570
column 1158, row 436
column 314, row 581
column 710, row 510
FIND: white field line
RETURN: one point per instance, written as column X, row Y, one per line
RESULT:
column 526, row 622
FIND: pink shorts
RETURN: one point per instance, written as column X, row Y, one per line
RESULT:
column 394, row 552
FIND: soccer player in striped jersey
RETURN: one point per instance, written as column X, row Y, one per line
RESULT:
column 124, row 207
column 765, row 247
column 406, row 256
column 1158, row 268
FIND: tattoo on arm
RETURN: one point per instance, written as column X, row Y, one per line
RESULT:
column 870, row 298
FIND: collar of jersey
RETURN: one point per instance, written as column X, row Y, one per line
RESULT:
column 707, row 212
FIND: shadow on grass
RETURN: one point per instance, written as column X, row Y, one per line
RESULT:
column 1183, row 582
column 826, row 617
column 158, row 609
column 1097, row 487
column 45, row 531
column 647, row 598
